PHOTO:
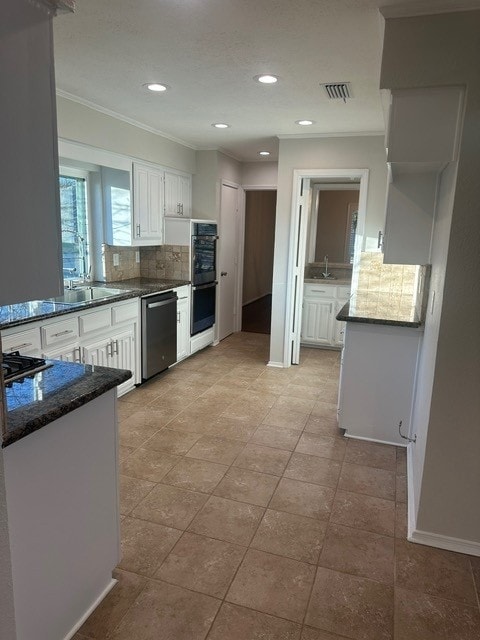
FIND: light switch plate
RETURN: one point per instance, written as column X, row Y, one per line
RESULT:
column 116, row 259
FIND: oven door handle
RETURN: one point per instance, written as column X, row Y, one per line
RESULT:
column 205, row 286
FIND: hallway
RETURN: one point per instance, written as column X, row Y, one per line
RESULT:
column 246, row 516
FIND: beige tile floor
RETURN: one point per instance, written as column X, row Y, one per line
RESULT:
column 246, row 515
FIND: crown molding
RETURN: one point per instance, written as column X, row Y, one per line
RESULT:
column 333, row 134
column 119, row 116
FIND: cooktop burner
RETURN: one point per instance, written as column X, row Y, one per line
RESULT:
column 15, row 367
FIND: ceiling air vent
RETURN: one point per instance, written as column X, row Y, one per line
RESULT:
column 337, row 90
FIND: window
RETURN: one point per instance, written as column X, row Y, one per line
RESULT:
column 74, row 219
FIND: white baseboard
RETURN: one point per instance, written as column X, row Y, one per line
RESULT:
column 444, row 542
column 91, row 609
column 349, row 435
column 425, row 537
column 278, row 365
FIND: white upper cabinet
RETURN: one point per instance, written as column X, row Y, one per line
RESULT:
column 409, row 218
column 424, row 125
column 158, row 193
column 148, row 199
column 29, row 197
column 178, row 195
column 422, row 138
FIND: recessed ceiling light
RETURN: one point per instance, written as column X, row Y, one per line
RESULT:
column 266, row 79
column 264, row 153
column 156, row 87
column 304, row 123
column 220, row 125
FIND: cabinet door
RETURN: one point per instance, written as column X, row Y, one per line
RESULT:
column 68, row 353
column 317, row 321
column 148, row 196
column 186, row 195
column 410, row 210
column 178, row 195
column 98, row 353
column 123, row 356
column 183, row 328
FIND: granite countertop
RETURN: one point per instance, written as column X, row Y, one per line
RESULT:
column 24, row 312
column 52, row 393
column 374, row 307
column 329, row 281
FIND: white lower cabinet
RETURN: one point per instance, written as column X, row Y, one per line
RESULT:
column 183, row 322
column 117, row 350
column 106, row 336
column 27, row 342
column 377, row 381
column 67, row 353
column 317, row 321
column 321, row 303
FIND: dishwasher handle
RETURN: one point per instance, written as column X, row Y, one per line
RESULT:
column 154, row 305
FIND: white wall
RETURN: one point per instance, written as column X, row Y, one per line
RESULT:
column 428, row 51
column 7, row 615
column 204, row 187
column 359, row 152
column 259, row 174
column 79, row 123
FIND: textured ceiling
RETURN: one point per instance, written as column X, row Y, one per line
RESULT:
column 208, row 51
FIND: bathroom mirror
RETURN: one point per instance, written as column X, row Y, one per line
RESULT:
column 333, row 222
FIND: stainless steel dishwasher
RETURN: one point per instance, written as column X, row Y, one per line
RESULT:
column 159, row 333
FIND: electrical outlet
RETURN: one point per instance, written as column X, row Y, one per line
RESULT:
column 116, row 259
column 137, row 256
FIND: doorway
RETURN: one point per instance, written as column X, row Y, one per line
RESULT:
column 303, row 199
column 259, row 243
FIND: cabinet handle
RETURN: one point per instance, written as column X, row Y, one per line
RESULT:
column 181, row 207
column 77, row 357
column 20, row 346
column 318, row 291
column 116, row 347
column 380, row 239
column 178, row 317
column 62, row 333
column 138, row 230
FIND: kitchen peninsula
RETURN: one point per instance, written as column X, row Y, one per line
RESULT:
column 59, row 457
column 384, row 328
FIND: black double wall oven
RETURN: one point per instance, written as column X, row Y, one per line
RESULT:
column 204, row 260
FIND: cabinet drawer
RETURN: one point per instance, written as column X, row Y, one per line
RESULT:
column 63, row 331
column 95, row 321
column 27, row 342
column 320, row 291
column 124, row 312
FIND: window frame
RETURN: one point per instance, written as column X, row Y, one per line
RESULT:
column 82, row 174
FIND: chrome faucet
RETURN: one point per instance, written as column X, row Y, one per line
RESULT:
column 326, row 273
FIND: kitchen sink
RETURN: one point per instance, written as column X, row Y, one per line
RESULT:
column 86, row 294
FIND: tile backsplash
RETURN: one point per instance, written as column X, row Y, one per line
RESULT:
column 165, row 261
column 405, row 284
